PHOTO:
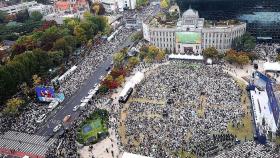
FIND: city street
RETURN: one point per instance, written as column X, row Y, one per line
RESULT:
column 68, row 104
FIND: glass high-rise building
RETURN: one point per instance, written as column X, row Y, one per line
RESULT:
column 262, row 16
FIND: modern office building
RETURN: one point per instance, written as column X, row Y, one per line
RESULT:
column 191, row 34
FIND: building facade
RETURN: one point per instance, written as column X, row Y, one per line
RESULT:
column 191, row 34
column 14, row 9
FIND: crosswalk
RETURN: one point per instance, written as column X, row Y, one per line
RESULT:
column 23, row 142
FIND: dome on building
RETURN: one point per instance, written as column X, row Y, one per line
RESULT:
column 190, row 13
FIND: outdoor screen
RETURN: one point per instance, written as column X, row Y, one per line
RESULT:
column 188, row 37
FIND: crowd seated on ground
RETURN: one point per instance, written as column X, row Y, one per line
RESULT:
column 250, row 149
column 194, row 105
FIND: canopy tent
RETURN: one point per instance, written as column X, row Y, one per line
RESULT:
column 132, row 82
column 130, row 155
column 185, row 57
column 271, row 66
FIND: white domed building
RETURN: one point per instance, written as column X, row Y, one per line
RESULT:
column 192, row 34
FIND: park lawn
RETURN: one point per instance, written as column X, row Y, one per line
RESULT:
column 97, row 126
column 242, row 132
column 185, row 154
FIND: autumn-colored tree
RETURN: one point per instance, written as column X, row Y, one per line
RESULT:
column 12, row 106
column 36, row 80
column 120, row 79
column 164, row 3
column 160, row 56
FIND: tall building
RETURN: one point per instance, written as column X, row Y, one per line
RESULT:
column 191, row 34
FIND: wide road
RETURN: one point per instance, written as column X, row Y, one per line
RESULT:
column 66, row 108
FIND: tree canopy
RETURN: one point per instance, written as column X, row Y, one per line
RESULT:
column 240, row 58
column 36, row 16
column 210, row 52
column 244, row 43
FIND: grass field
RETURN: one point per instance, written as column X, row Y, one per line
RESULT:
column 96, row 126
column 92, row 126
column 246, row 131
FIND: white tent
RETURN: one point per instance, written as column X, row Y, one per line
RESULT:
column 271, row 66
column 130, row 155
column 132, row 82
column 185, row 57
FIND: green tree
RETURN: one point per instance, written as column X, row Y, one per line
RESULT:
column 3, row 16
column 210, row 52
column 56, row 57
column 80, row 33
column 164, row 3
column 132, row 61
column 118, row 58
column 13, row 105
column 50, row 35
column 22, row 16
column 244, row 43
column 36, row 16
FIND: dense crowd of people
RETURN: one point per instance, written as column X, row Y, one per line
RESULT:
column 196, row 101
column 26, row 121
column 178, row 106
column 250, row 149
column 68, row 146
column 267, row 51
column 98, row 54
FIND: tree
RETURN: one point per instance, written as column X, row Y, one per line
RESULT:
column 103, row 89
column 97, row 8
column 243, row 59
column 56, row 57
column 164, row 3
column 36, row 80
column 244, row 43
column 141, row 2
column 12, row 106
column 210, row 52
column 120, row 79
column 137, row 36
column 22, row 16
column 132, row 61
column 3, row 16
column 25, row 89
column 118, row 58
column 36, row 16
column 160, row 56
column 80, row 33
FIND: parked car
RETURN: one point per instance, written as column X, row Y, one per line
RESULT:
column 76, row 107
column 57, row 127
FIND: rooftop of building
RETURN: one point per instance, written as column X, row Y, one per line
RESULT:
column 164, row 20
column 221, row 23
column 169, row 20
